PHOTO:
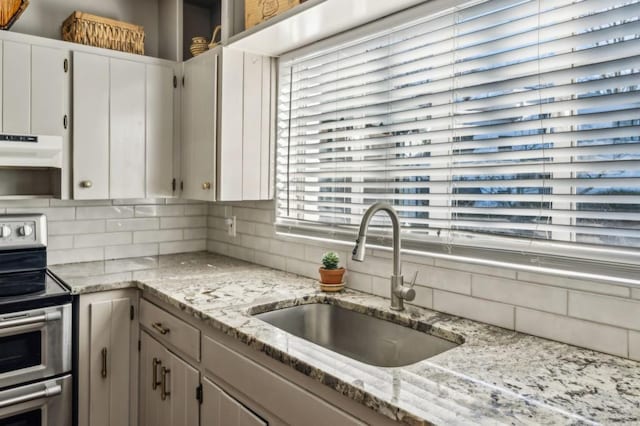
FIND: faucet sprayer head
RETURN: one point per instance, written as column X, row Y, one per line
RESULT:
column 359, row 249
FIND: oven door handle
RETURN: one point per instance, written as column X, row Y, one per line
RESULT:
column 48, row 392
column 37, row 319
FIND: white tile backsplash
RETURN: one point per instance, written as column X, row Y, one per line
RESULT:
column 483, row 293
column 634, row 345
column 477, row 309
column 81, row 231
column 586, row 334
column 544, row 298
column 605, row 309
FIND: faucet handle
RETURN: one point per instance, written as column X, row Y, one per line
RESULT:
column 415, row 277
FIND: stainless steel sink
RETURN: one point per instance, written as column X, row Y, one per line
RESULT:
column 359, row 336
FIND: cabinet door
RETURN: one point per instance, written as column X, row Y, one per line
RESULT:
column 153, row 356
column 16, row 83
column 90, row 126
column 107, row 359
column 199, row 127
column 110, row 363
column 50, row 87
column 160, row 131
column 127, row 129
column 245, row 127
column 220, row 409
column 183, row 382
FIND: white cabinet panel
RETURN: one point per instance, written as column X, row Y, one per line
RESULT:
column 199, row 123
column 184, row 380
column 153, row 411
column 16, row 84
column 160, row 131
column 220, row 409
column 107, row 360
column 246, row 123
column 90, row 126
column 127, row 129
column 50, row 94
column 231, row 126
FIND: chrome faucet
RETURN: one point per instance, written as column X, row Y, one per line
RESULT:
column 399, row 292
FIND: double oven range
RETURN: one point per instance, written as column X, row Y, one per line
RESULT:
column 36, row 386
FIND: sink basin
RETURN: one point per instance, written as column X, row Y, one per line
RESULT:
column 362, row 337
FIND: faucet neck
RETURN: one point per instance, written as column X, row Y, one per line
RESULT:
column 395, row 221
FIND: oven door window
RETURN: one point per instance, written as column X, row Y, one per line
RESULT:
column 20, row 351
column 30, row 418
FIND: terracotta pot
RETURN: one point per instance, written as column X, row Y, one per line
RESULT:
column 331, row 276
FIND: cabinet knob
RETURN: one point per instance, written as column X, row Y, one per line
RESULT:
column 206, row 185
column 86, row 184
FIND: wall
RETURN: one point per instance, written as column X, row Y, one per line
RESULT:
column 45, row 17
column 82, row 231
column 589, row 314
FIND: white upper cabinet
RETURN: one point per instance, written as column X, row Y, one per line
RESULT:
column 245, row 137
column 127, row 104
column 16, row 85
column 199, row 107
column 123, row 128
column 160, row 131
column 90, row 126
column 227, row 134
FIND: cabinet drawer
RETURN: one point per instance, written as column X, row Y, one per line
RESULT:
column 288, row 401
column 170, row 329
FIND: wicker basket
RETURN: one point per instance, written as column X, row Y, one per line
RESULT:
column 10, row 11
column 97, row 31
column 257, row 11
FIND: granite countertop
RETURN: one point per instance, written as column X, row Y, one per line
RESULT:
column 496, row 376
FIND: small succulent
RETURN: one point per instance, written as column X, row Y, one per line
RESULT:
column 330, row 260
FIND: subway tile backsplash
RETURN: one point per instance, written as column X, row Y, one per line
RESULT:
column 81, row 231
column 597, row 315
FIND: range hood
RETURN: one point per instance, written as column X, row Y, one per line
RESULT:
column 30, row 166
column 26, row 151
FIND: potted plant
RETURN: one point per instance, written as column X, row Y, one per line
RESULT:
column 330, row 273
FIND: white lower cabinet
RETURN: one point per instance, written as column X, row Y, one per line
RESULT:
column 108, row 359
column 220, row 409
column 169, row 387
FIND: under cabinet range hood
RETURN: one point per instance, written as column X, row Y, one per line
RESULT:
column 30, row 166
column 27, row 151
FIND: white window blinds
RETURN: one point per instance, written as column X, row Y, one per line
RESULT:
column 492, row 123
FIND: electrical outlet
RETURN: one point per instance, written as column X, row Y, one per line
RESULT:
column 231, row 225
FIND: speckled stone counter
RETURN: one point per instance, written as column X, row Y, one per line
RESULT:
column 496, row 376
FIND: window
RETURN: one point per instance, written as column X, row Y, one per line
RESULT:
column 497, row 124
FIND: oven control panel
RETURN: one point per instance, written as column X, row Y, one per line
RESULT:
column 22, row 231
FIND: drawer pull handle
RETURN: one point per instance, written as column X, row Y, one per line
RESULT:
column 156, row 363
column 103, row 373
column 164, row 393
column 160, row 328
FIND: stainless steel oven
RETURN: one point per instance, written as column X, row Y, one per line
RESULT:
column 36, row 327
column 45, row 403
column 35, row 344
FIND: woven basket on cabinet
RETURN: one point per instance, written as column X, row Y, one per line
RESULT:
column 97, row 31
column 10, row 11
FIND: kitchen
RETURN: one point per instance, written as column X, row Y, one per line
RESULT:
column 166, row 213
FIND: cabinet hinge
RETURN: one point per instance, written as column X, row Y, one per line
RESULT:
column 181, row 186
column 139, row 345
column 183, row 81
column 175, row 82
column 173, row 184
column 199, row 396
column 65, row 65
column 131, row 312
